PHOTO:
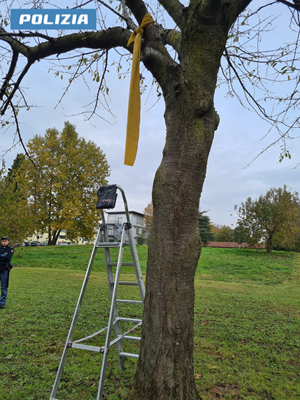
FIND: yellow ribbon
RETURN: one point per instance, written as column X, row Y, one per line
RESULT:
column 134, row 103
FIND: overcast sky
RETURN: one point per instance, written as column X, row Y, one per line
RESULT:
column 237, row 142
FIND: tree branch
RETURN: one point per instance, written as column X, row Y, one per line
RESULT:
column 174, row 8
column 100, row 85
column 172, row 37
column 138, row 9
column 16, row 87
column 9, row 75
column 110, row 38
column 21, row 140
column 236, row 8
column 14, row 44
column 295, row 5
column 125, row 17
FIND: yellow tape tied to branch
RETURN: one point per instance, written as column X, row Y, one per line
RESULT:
column 134, row 103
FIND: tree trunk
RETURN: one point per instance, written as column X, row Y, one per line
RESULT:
column 52, row 239
column 165, row 366
column 269, row 244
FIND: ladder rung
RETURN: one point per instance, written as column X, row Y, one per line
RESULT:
column 130, row 355
column 125, row 283
column 129, row 301
column 108, row 244
column 128, row 319
column 86, row 347
column 130, row 337
column 114, row 264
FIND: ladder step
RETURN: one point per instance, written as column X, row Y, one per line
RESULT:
column 130, row 355
column 130, row 337
column 129, row 301
column 97, row 349
column 128, row 319
column 114, row 264
column 129, row 283
column 108, row 244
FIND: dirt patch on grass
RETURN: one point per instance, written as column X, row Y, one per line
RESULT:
column 220, row 391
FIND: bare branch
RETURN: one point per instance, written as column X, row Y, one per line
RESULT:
column 14, row 44
column 110, row 38
column 130, row 23
column 138, row 8
column 174, row 8
column 24, row 34
column 100, row 85
column 125, row 17
column 21, row 140
column 16, row 87
column 295, row 5
column 9, row 75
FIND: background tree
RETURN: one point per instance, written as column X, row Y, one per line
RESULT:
column 62, row 190
column 13, row 170
column 185, row 51
column 240, row 234
column 205, row 228
column 148, row 215
column 216, row 228
column 225, row 234
column 273, row 216
column 15, row 219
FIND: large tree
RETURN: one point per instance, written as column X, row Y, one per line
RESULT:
column 183, row 50
column 272, row 217
column 62, row 183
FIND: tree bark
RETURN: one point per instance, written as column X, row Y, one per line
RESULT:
column 52, row 239
column 165, row 366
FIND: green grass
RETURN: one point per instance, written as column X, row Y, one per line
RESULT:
column 69, row 257
column 245, row 265
column 247, row 325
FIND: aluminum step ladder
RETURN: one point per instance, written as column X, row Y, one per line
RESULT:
column 107, row 199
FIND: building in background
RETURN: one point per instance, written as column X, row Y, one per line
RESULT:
column 62, row 239
column 115, row 219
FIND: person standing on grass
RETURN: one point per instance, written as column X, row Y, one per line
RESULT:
column 6, row 253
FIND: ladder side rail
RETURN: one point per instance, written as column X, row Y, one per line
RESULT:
column 111, row 316
column 110, row 278
column 125, row 203
column 133, row 250
column 75, row 317
column 137, row 267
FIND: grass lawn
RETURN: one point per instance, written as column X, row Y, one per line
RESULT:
column 247, row 325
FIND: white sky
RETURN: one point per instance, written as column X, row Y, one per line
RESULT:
column 237, row 141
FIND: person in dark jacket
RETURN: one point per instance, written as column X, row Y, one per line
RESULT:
column 6, row 253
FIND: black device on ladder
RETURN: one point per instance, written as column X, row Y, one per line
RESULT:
column 107, row 199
